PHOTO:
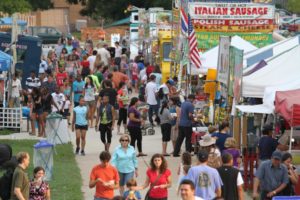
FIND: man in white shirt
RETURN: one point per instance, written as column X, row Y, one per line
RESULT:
column 150, row 96
column 187, row 190
column 16, row 91
column 32, row 82
column 59, row 101
column 91, row 60
column 105, row 55
column 118, row 53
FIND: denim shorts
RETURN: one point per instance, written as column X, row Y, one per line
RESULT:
column 124, row 177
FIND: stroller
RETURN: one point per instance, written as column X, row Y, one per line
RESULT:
column 147, row 128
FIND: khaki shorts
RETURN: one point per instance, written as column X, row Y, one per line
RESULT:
column 90, row 103
column 174, row 133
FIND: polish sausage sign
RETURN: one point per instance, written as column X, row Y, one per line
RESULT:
column 229, row 11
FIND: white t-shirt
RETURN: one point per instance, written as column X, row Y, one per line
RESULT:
column 165, row 89
column 150, row 91
column 105, row 55
column 91, row 60
column 16, row 87
column 198, row 198
column 118, row 52
column 142, row 73
column 67, row 104
column 58, row 99
column 240, row 180
column 43, row 67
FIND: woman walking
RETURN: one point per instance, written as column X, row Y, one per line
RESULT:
column 175, row 112
column 158, row 177
column 134, row 125
column 106, row 115
column 80, row 125
column 39, row 189
column 37, row 110
column 165, row 125
column 123, row 99
column 124, row 159
column 89, row 98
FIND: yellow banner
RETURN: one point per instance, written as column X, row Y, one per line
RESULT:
column 248, row 29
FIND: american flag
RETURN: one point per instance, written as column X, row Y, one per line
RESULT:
column 194, row 54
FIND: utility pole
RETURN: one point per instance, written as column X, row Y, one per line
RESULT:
column 14, row 39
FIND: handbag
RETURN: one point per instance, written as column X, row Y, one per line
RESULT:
column 156, row 180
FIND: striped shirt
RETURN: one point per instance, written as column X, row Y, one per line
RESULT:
column 33, row 83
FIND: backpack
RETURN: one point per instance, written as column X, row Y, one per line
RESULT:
column 214, row 160
column 160, row 93
column 6, row 179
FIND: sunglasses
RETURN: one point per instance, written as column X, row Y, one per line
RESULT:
column 124, row 140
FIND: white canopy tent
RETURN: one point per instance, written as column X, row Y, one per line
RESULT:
column 281, row 70
column 209, row 59
column 267, row 52
column 280, row 74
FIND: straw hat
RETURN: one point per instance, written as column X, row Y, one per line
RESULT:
column 207, row 140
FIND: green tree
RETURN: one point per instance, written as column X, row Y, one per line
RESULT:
column 294, row 6
column 12, row 6
column 114, row 9
column 40, row 4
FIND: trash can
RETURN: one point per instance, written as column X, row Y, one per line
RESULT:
column 43, row 156
column 57, row 131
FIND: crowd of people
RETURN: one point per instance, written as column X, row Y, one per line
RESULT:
column 92, row 90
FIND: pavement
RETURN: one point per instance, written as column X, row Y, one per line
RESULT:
column 151, row 145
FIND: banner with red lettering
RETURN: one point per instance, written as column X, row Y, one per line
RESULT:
column 231, row 11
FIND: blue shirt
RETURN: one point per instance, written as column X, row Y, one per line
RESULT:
column 186, row 108
column 137, row 194
column 125, row 162
column 78, row 88
column 271, row 177
column 206, row 180
column 267, row 145
column 80, row 112
column 221, row 140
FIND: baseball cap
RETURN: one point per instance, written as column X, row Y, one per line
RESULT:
column 277, row 155
column 171, row 82
column 268, row 128
column 202, row 155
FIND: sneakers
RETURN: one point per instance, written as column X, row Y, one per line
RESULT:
column 82, row 153
column 77, row 150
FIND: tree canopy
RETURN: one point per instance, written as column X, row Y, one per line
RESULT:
column 294, row 6
column 12, row 6
column 114, row 9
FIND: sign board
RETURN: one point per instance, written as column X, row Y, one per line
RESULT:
column 223, row 61
column 236, row 72
column 208, row 40
column 224, row 25
column 114, row 38
column 238, row 11
column 164, row 20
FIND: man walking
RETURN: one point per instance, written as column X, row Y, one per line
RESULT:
column 151, row 89
column 232, row 188
column 187, row 190
column 267, row 144
column 206, row 179
column 271, row 176
column 20, row 181
column 185, row 125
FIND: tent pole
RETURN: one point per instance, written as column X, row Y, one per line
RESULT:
column 291, row 137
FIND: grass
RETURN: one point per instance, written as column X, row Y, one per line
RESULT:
column 7, row 131
column 66, row 179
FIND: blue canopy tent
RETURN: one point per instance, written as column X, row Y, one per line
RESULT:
column 5, row 61
column 9, row 21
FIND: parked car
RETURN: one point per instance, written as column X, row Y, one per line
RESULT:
column 283, row 22
column 283, row 12
column 294, row 26
column 48, row 34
